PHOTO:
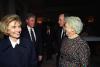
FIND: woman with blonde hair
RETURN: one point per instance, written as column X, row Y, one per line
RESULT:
column 14, row 50
column 75, row 51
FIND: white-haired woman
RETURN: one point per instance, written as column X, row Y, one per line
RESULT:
column 75, row 51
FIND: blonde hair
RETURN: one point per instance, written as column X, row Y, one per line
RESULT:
column 6, row 20
column 75, row 22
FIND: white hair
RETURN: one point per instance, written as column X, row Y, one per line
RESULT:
column 75, row 22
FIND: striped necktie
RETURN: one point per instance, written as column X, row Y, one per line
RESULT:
column 32, row 36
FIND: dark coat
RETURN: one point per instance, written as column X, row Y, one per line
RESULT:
column 38, row 44
column 58, row 38
column 23, row 55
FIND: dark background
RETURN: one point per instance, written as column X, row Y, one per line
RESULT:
column 45, row 7
column 51, row 8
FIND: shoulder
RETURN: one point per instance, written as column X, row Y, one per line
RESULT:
column 24, row 28
column 80, row 40
column 4, row 43
column 82, row 43
column 25, row 42
column 64, row 40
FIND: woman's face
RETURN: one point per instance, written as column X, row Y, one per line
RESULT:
column 69, row 30
column 14, row 29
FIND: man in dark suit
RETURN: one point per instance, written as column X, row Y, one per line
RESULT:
column 59, row 34
column 31, row 32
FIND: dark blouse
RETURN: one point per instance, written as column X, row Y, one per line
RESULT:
column 74, row 53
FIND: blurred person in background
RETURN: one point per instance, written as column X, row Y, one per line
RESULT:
column 59, row 34
column 31, row 32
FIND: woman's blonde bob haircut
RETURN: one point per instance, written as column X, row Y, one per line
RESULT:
column 75, row 23
column 6, row 20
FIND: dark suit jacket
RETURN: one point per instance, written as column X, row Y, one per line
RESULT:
column 23, row 55
column 38, row 43
column 58, row 39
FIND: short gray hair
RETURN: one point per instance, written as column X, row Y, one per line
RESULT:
column 75, row 22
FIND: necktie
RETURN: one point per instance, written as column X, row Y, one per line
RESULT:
column 32, row 36
column 63, row 34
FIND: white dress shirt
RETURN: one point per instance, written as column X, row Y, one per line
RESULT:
column 29, row 29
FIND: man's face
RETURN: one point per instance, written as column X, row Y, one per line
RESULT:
column 31, row 21
column 61, row 20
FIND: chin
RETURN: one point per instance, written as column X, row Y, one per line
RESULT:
column 18, row 36
column 61, row 26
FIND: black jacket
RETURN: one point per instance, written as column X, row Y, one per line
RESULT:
column 38, row 44
column 23, row 55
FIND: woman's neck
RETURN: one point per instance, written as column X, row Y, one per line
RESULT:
column 13, row 39
column 73, row 36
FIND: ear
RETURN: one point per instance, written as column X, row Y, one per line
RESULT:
column 73, row 31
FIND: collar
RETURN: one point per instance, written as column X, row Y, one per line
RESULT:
column 28, row 27
column 14, row 43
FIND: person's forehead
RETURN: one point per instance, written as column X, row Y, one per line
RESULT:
column 32, row 17
column 14, row 23
column 61, row 16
